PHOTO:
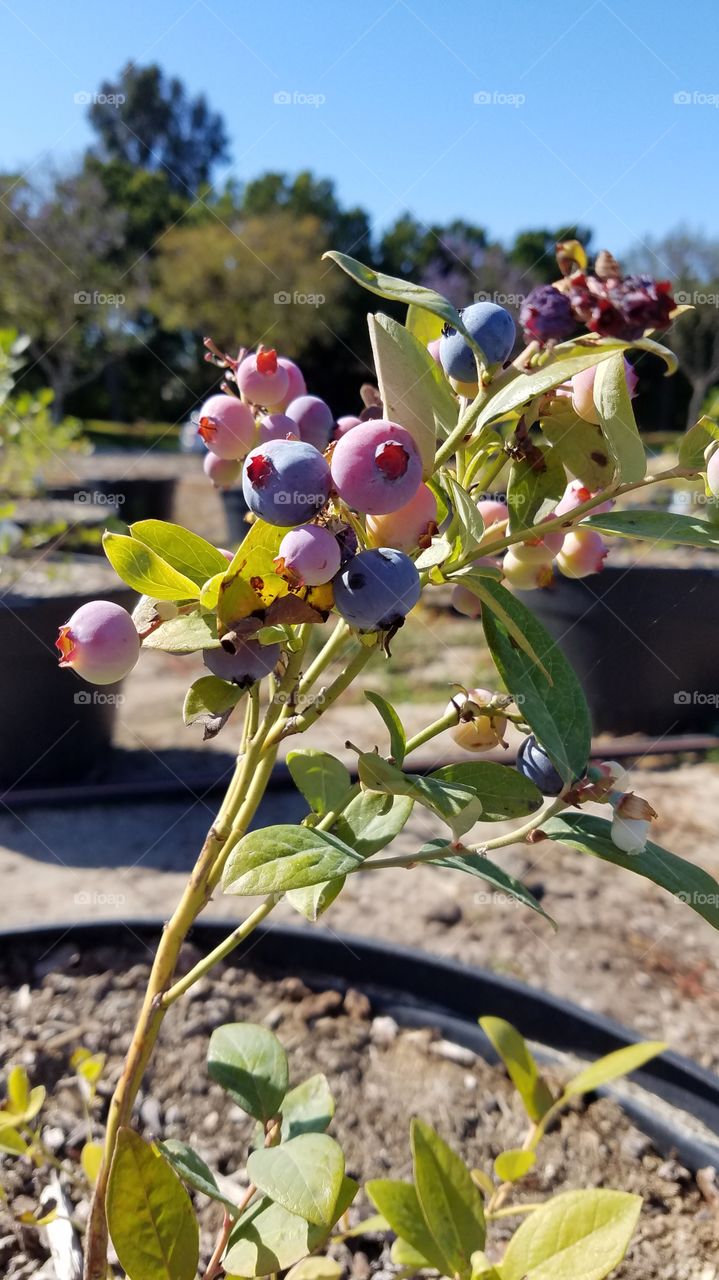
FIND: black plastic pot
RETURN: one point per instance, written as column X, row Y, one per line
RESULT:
column 418, row 989
column 55, row 728
column 642, row 642
column 130, row 499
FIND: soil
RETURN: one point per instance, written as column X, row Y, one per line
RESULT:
column 51, row 1004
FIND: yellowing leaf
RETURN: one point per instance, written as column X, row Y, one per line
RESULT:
column 91, row 1159
column 612, row 1066
column 579, row 1235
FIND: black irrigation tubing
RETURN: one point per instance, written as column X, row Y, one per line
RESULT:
column 419, row 989
column 169, row 788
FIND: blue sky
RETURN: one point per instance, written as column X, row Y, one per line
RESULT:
column 509, row 114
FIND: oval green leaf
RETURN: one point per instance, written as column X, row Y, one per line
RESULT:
column 521, row 1066
column 149, row 1214
column 398, row 1204
column 304, row 1175
column 372, row 820
column 266, row 1238
column 321, row 778
column 450, row 1201
column 504, row 793
column 187, row 552
column 612, row 1066
column 614, row 406
column 249, row 1062
column 579, row 1235
column 657, row 526
column 308, row 1108
column 512, row 1165
column 145, row 571
column 275, row 859
column 194, row 1172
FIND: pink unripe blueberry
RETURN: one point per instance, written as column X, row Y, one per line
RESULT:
column 713, row 474
column 313, row 419
column 584, row 552
column 100, row 642
column 345, row 424
column 482, row 732
column 433, row 348
column 227, row 426
column 402, row 529
column 310, row 554
column 583, row 391
column 262, row 379
column 492, row 511
column 523, row 570
column 574, row 495
column 276, row 426
column 376, row 468
column 296, row 385
column 543, row 547
column 223, row 472
column 249, row 663
column 466, row 602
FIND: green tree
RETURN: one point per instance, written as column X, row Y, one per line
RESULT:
column 533, row 251
column 149, row 121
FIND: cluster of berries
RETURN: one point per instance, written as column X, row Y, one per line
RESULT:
column 604, row 301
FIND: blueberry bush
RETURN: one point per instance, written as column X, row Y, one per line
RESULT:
column 350, row 527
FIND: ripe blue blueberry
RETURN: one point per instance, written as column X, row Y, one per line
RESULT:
column 285, row 482
column 534, row 763
column 314, row 420
column 492, row 329
column 377, row 589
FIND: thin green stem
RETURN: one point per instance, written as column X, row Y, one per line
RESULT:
column 447, row 721
column 512, row 1211
column 212, row 958
column 331, row 649
column 299, row 723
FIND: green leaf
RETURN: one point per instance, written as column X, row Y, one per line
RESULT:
column 578, row 1235
column 512, row 1165
column 403, row 1255
column 399, row 290
column 314, row 899
column 556, row 708
column 210, row 697
column 612, row 1066
column 568, row 358
column 399, row 1205
column 477, row 865
column 187, row 633
column 193, row 1171
column 504, row 792
column 149, row 1214
column 267, row 1238
column 657, row 526
column 521, row 1067
column 190, row 554
column 322, row 780
column 494, row 601
column 249, row 1062
column 696, row 440
column 304, row 1175
column 689, row 883
column 11, row 1142
column 466, row 515
column 451, row 1204
column 414, row 390
column 614, row 406
column 482, row 1268
column 140, row 568
column 444, row 798
column 316, row 1269
column 275, row 859
column 531, row 483
column 308, row 1108
column 436, row 553
column 580, row 445
column 391, row 718
column 23, row 1103
column 372, row 820
column 425, row 326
